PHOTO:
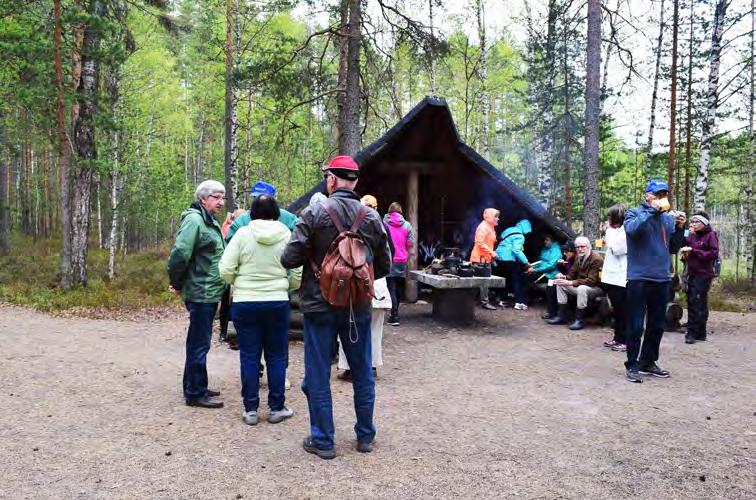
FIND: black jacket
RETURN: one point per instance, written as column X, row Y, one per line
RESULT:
column 315, row 231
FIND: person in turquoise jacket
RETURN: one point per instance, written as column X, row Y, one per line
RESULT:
column 510, row 253
column 260, row 188
column 547, row 266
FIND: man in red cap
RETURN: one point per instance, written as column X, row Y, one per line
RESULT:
column 311, row 238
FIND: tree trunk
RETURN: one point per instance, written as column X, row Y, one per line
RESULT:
column 545, row 184
column 84, row 141
column 343, row 41
column 749, row 217
column 712, row 97
column 112, row 78
column 5, row 243
column 650, row 143
column 349, row 138
column 671, row 166
column 230, row 149
column 689, row 117
column 592, row 109
column 431, row 52
column 485, row 103
column 567, row 160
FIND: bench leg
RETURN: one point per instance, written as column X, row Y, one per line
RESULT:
column 454, row 305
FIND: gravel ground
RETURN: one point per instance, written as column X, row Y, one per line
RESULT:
column 508, row 408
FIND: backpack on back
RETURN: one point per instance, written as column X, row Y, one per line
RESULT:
column 346, row 277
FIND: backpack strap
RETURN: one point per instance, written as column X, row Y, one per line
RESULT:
column 360, row 215
column 334, row 217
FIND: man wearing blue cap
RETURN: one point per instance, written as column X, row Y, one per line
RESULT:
column 653, row 233
column 260, row 188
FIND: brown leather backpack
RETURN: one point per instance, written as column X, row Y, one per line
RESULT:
column 346, row 277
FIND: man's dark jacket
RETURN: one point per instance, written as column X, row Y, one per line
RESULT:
column 315, row 231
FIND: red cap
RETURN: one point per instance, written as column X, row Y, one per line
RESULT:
column 343, row 166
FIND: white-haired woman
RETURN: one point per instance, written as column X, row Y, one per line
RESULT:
column 193, row 273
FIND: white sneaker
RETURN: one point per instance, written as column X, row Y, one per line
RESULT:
column 280, row 415
column 249, row 417
column 287, row 384
column 520, row 307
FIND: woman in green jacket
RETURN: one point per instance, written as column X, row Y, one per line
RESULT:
column 260, row 309
column 193, row 273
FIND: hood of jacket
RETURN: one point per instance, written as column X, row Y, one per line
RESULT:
column 269, row 232
column 394, row 219
column 524, row 226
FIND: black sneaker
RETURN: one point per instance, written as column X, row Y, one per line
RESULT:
column 212, row 393
column 489, row 307
column 393, row 321
column 689, row 339
column 205, row 402
column 364, row 447
column 655, row 371
column 310, row 447
column 633, row 376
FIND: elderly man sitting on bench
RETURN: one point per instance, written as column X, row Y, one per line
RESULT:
column 582, row 281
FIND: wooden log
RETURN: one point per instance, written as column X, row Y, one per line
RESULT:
column 413, row 194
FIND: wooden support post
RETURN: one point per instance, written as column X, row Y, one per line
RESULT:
column 413, row 195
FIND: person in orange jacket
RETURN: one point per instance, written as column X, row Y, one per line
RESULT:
column 484, row 248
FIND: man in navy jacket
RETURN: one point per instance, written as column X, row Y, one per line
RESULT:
column 653, row 233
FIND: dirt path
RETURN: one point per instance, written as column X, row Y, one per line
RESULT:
column 511, row 408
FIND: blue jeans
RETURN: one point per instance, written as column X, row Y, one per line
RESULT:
column 198, row 339
column 645, row 298
column 262, row 328
column 320, row 332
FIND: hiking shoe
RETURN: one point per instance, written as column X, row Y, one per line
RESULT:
column 205, row 402
column 393, row 321
column 489, row 307
column 501, row 304
column 249, row 417
column 521, row 307
column 619, row 347
column 279, row 415
column 346, row 376
column 655, row 371
column 212, row 393
column 547, row 315
column 364, row 447
column 310, row 447
column 633, row 376
column 610, row 343
column 689, row 340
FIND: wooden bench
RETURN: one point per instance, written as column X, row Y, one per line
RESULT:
column 454, row 298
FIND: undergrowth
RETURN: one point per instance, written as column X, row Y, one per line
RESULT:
column 30, row 276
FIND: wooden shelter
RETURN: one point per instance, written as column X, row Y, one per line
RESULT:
column 442, row 184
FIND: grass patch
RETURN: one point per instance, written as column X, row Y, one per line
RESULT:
column 30, row 277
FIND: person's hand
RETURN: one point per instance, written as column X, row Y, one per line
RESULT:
column 173, row 290
column 529, row 270
column 562, row 282
column 680, row 219
column 561, row 261
column 559, row 276
column 656, row 204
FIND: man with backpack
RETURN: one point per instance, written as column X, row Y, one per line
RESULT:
column 343, row 247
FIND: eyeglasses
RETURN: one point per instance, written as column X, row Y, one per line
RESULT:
column 581, row 246
column 217, row 197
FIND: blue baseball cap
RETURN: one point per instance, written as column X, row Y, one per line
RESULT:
column 260, row 188
column 656, row 185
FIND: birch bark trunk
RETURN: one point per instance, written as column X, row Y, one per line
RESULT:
column 712, row 97
column 652, row 124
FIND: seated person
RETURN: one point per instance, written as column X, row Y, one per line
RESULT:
column 564, row 265
column 550, row 256
column 582, row 281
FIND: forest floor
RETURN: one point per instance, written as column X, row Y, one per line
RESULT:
column 508, row 408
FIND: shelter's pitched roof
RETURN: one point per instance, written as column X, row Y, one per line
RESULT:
column 439, row 105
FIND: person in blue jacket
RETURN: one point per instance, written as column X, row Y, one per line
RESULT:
column 653, row 233
column 260, row 188
column 549, row 258
column 510, row 253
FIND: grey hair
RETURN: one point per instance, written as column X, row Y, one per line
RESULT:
column 206, row 188
column 583, row 240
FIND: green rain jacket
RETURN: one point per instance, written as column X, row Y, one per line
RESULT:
column 193, row 263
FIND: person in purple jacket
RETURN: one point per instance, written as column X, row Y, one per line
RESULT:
column 700, row 253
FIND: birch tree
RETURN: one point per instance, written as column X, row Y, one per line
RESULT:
column 712, row 97
column 655, row 93
column 673, row 104
column 230, row 151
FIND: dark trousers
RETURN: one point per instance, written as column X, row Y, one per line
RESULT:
column 517, row 283
column 395, row 287
column 262, row 328
column 198, row 339
column 320, row 332
column 551, row 300
column 645, row 299
column 698, row 306
column 225, row 311
column 618, row 297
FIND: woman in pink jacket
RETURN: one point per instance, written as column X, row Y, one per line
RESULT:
column 403, row 238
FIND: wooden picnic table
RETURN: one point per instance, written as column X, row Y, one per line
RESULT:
column 454, row 298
